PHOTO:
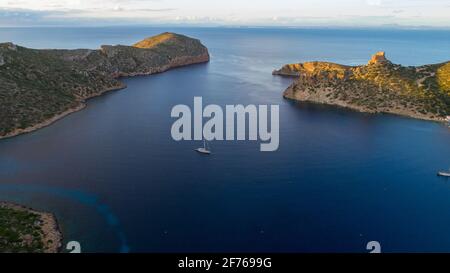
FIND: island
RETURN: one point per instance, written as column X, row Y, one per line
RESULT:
column 381, row 86
column 23, row 230
column 40, row 86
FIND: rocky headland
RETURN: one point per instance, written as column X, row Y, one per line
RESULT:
column 38, row 87
column 23, row 230
column 381, row 86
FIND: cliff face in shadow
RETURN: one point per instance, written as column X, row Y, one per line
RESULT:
column 379, row 87
column 152, row 55
column 38, row 87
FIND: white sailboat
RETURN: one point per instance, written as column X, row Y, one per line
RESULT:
column 204, row 150
column 444, row 174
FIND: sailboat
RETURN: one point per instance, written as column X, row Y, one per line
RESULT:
column 204, row 150
column 444, row 174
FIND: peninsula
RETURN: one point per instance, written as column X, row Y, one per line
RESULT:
column 381, row 86
column 23, row 230
column 38, row 87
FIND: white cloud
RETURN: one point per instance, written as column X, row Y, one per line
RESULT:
column 377, row 3
column 264, row 12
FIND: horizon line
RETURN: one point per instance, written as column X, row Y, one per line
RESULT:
column 337, row 27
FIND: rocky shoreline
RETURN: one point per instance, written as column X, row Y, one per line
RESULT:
column 342, row 104
column 62, row 115
column 48, row 225
column 378, row 87
column 72, row 77
column 324, row 100
column 176, row 64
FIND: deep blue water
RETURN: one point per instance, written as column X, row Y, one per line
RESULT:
column 118, row 182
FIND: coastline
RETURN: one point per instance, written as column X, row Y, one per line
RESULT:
column 379, row 87
column 175, row 63
column 52, row 235
column 59, row 116
column 360, row 109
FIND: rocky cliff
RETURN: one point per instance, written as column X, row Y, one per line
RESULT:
column 24, row 230
column 38, row 87
column 378, row 87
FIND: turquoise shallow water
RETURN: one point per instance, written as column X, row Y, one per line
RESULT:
column 118, row 182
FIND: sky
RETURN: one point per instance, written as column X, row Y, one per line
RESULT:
column 289, row 13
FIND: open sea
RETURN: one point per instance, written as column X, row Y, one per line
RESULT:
column 117, row 182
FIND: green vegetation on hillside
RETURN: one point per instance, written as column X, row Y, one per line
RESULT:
column 35, row 86
column 38, row 85
column 20, row 231
column 443, row 77
column 380, row 86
